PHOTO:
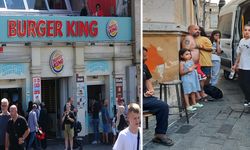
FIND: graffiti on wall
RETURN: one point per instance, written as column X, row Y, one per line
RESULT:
column 155, row 62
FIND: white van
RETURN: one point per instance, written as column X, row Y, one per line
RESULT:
column 232, row 18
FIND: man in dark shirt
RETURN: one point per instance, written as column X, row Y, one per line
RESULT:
column 17, row 130
column 156, row 106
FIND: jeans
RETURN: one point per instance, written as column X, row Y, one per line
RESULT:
column 31, row 140
column 160, row 109
column 244, row 80
column 96, row 129
column 215, row 72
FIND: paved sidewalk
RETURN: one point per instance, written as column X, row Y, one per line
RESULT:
column 217, row 126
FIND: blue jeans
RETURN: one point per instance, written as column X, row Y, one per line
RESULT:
column 160, row 109
column 215, row 72
column 31, row 140
column 96, row 129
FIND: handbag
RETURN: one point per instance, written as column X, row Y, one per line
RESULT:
column 40, row 135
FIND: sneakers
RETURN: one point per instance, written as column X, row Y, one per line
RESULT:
column 197, row 105
column 191, row 108
column 94, row 142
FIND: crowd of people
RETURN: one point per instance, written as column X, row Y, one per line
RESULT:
column 199, row 66
column 19, row 132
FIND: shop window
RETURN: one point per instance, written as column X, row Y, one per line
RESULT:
column 2, row 4
column 37, row 4
column 15, row 4
column 57, row 4
column 76, row 5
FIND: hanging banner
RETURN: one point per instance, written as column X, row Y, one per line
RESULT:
column 36, row 89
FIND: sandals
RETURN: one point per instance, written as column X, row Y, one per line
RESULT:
column 164, row 141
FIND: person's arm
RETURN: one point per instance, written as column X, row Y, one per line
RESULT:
column 235, row 66
column 186, row 42
column 218, row 48
column 24, row 136
column 182, row 72
column 6, row 141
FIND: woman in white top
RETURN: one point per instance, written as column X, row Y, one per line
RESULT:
column 242, row 64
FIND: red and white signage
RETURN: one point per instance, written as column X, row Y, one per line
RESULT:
column 56, row 61
column 36, row 89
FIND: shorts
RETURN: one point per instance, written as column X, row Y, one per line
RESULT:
column 206, row 70
column 105, row 128
column 68, row 131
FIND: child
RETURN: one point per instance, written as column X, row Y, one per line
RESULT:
column 189, row 78
column 129, row 138
column 105, row 121
column 242, row 64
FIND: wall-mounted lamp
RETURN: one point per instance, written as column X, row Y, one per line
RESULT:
column 49, row 43
column 4, row 44
column 92, row 44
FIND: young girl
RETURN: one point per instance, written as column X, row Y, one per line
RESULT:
column 215, row 72
column 242, row 64
column 189, row 77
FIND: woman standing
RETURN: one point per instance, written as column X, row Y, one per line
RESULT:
column 215, row 71
column 68, row 120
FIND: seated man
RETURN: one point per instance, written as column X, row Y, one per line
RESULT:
column 156, row 106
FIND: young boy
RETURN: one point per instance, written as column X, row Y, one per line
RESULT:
column 129, row 138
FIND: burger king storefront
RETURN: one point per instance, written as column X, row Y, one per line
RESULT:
column 50, row 58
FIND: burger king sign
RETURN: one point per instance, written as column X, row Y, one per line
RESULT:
column 56, row 61
column 112, row 28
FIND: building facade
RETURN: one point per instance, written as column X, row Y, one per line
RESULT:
column 49, row 53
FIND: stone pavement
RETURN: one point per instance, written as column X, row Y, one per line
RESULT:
column 219, row 125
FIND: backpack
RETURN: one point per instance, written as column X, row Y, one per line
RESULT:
column 213, row 91
column 78, row 127
column 122, row 124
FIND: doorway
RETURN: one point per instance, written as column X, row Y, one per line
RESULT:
column 95, row 92
column 54, row 95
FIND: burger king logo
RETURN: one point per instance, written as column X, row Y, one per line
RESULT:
column 56, row 61
column 112, row 28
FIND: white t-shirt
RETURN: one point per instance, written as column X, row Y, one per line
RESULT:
column 244, row 49
column 126, row 140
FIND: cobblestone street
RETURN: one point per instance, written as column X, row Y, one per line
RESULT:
column 219, row 125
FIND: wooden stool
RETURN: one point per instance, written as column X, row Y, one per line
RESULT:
column 165, row 86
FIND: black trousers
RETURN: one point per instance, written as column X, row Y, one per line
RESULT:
column 244, row 81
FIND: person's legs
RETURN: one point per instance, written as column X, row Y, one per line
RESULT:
column 31, row 140
column 161, row 110
column 66, row 139
column 96, row 130
column 244, row 82
column 71, row 135
column 215, row 72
